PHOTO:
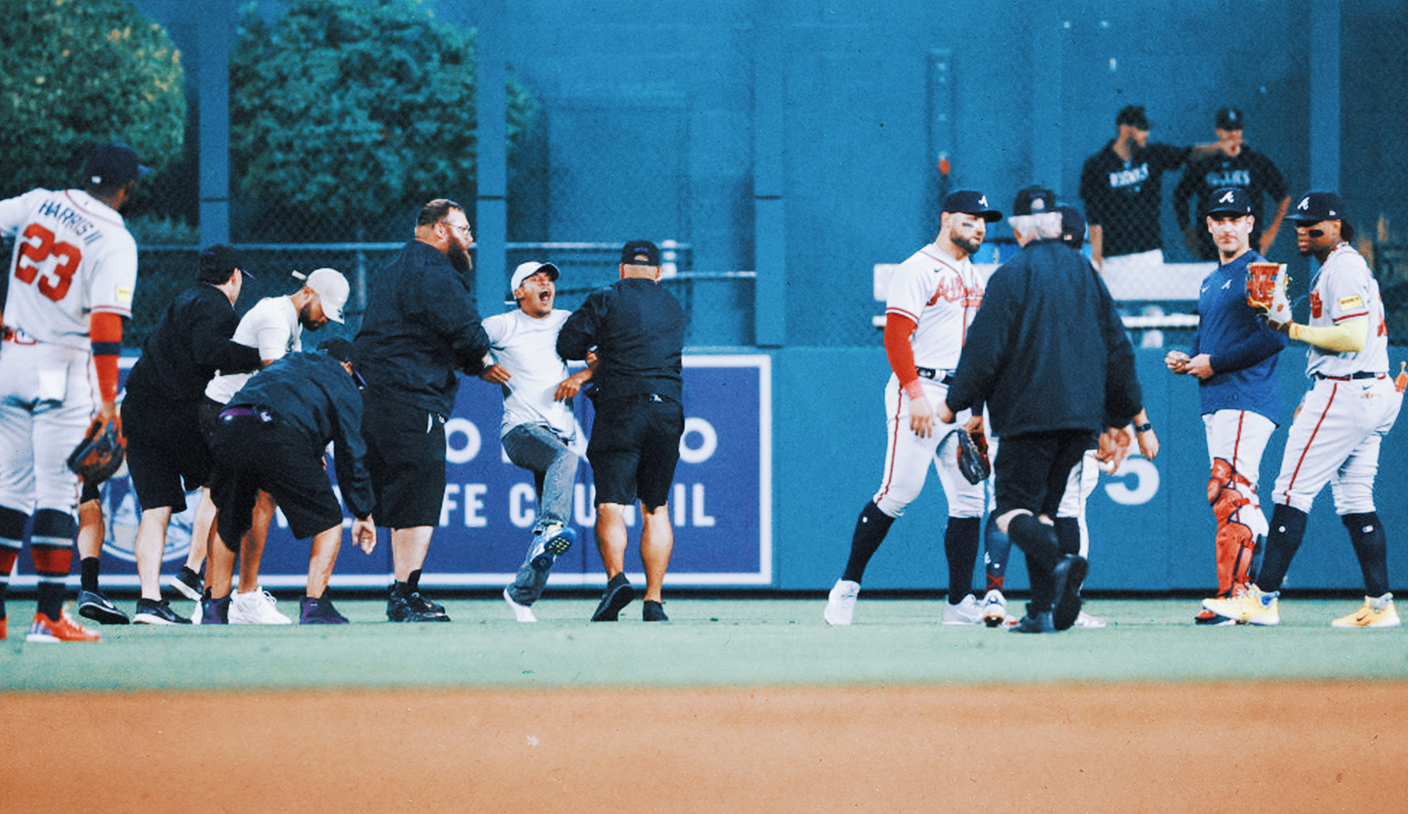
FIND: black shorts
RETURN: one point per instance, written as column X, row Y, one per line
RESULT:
column 406, row 460
column 1031, row 469
column 167, row 454
column 633, row 450
column 279, row 460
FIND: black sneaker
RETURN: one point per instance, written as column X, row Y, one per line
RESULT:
column 404, row 605
column 150, row 612
column 95, row 606
column 187, row 583
column 619, row 594
column 1069, row 574
column 1040, row 623
column 318, row 611
column 652, row 611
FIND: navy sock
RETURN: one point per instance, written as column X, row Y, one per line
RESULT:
column 961, row 550
column 88, row 567
column 1068, row 534
column 1287, row 531
column 871, row 528
column 1370, row 543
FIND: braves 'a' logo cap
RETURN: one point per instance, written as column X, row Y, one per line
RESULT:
column 1228, row 200
column 1315, row 206
column 971, row 202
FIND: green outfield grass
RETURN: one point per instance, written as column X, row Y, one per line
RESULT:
column 707, row 643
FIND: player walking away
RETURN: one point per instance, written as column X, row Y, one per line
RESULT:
column 1121, row 186
column 1045, row 314
column 270, row 438
column 1069, row 522
column 420, row 331
column 636, row 328
column 932, row 300
column 1234, row 360
column 1340, row 424
column 167, row 453
column 275, row 326
column 538, row 426
column 1231, row 164
column 72, row 275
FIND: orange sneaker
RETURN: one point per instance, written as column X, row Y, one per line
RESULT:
column 63, row 630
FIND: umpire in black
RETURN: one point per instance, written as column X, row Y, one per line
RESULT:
column 633, row 335
column 160, row 413
column 1048, row 354
column 271, row 436
column 420, row 332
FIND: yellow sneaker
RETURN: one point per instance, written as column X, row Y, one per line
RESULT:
column 1375, row 613
column 1253, row 607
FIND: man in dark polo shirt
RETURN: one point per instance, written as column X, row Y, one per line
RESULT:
column 420, row 332
column 633, row 334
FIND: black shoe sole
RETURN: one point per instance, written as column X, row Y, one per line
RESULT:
column 104, row 616
column 1067, row 608
column 610, row 608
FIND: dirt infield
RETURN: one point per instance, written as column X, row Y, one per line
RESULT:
column 1309, row 747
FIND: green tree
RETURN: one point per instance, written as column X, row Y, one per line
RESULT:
column 74, row 73
column 345, row 109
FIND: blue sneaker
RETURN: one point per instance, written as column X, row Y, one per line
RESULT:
column 554, row 546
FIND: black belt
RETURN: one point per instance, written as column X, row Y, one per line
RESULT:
column 1363, row 374
column 239, row 414
column 940, row 376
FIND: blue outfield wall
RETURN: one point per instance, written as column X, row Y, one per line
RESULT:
column 1150, row 529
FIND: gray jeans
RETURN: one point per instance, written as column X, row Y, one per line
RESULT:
column 538, row 449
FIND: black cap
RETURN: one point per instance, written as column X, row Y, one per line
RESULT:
column 1314, row 207
column 112, row 164
column 1034, row 201
column 640, row 253
column 971, row 202
column 1133, row 115
column 216, row 263
column 1229, row 200
column 1072, row 226
column 1229, row 118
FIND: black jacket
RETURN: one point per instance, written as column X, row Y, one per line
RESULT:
column 637, row 328
column 190, row 344
column 311, row 394
column 420, row 331
column 1047, row 350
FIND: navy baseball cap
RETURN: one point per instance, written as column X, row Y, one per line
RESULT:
column 113, row 164
column 640, row 253
column 1133, row 115
column 1072, row 226
column 1228, row 200
column 1229, row 118
column 971, row 202
column 219, row 260
column 1315, row 206
column 1034, row 201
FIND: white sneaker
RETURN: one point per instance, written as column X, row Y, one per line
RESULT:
column 1088, row 622
column 841, row 603
column 967, row 612
column 256, row 608
column 522, row 613
column 995, row 609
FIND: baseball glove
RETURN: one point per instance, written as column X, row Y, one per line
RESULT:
column 100, row 453
column 973, row 455
column 1266, row 291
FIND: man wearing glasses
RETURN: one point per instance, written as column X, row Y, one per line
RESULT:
column 420, row 331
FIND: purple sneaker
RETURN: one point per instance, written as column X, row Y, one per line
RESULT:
column 318, row 611
column 215, row 611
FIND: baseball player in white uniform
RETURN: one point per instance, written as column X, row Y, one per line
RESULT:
column 72, row 277
column 275, row 325
column 933, row 297
column 1337, row 430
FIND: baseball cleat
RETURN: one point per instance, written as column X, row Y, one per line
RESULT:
column 1376, row 613
column 841, row 603
column 995, row 609
column 967, row 612
column 95, row 606
column 64, row 629
column 1253, row 607
column 522, row 613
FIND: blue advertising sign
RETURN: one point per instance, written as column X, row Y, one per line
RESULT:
column 720, row 503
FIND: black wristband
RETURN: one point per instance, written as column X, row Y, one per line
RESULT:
column 1145, row 427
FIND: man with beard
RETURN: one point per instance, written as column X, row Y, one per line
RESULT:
column 275, row 326
column 933, row 297
column 420, row 331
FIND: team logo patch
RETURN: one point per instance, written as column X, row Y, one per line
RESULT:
column 124, row 295
column 1350, row 303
